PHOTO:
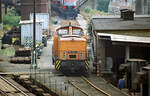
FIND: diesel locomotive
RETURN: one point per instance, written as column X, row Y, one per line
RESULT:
column 70, row 50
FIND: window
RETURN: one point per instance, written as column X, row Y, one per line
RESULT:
column 69, row 3
column 77, row 32
column 62, row 32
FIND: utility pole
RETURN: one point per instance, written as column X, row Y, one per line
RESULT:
column 0, row 11
column 34, row 65
column 0, row 14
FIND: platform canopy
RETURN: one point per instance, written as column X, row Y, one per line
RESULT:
column 124, row 38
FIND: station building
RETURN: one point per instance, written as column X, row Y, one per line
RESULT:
column 116, row 40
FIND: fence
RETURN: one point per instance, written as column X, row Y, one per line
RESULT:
column 56, row 83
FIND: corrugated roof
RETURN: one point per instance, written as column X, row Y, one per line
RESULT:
column 125, row 38
column 115, row 23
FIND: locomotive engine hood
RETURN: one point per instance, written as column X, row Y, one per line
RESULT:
column 72, row 48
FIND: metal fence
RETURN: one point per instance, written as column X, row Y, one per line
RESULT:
column 55, row 83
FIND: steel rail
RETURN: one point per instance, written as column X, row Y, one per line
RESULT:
column 78, row 88
column 14, row 86
column 98, row 89
column 3, row 93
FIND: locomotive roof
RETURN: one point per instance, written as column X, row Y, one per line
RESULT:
column 71, row 26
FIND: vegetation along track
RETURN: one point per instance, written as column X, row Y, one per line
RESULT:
column 86, row 87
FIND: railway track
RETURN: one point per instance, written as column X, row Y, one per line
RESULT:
column 87, row 87
column 8, row 88
column 94, row 86
column 3, row 93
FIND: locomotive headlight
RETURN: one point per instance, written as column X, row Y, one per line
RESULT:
column 80, row 55
column 64, row 55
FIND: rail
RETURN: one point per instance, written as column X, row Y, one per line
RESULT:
column 98, row 89
column 77, row 88
column 89, row 83
column 80, row 3
column 3, row 93
column 13, row 86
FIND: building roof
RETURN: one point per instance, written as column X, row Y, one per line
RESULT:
column 30, row 21
column 116, row 23
column 124, row 38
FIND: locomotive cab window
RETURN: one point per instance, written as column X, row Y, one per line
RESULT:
column 69, row 3
column 62, row 32
column 77, row 32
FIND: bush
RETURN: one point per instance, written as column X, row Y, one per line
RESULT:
column 10, row 19
column 87, row 10
column 92, row 12
column 6, row 27
column 103, row 5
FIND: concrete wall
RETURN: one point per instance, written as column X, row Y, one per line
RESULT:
column 116, row 5
column 142, row 7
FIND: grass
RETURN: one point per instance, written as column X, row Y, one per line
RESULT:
column 8, row 51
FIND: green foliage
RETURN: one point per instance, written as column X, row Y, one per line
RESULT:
column 88, row 12
column 90, row 30
column 10, row 18
column 10, row 51
column 6, row 27
column 103, row 5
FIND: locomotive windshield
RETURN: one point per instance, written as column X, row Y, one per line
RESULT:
column 77, row 32
column 69, row 2
column 62, row 32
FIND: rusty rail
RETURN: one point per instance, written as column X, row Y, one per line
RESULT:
column 69, row 81
column 98, row 89
column 13, row 86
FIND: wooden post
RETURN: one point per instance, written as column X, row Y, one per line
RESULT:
column 1, row 26
column 148, row 82
column 127, row 53
column 101, row 56
column 0, row 11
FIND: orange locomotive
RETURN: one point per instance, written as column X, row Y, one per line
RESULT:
column 69, row 50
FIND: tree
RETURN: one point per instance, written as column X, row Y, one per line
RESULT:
column 103, row 5
column 7, row 3
column 11, row 19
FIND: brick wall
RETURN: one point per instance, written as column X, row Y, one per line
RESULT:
column 42, row 6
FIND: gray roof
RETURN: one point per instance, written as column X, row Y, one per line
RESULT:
column 125, row 38
column 115, row 23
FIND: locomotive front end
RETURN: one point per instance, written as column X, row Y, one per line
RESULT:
column 70, row 46
column 72, row 54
